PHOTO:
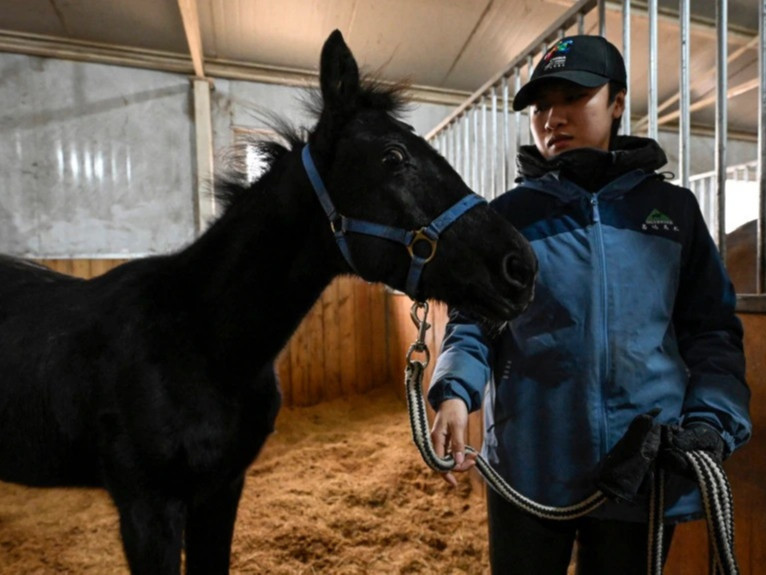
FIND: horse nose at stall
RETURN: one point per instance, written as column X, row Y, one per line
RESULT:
column 520, row 271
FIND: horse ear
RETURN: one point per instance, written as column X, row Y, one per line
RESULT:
column 338, row 74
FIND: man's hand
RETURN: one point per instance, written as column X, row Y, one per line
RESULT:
column 448, row 436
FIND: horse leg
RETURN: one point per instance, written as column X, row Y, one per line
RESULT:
column 210, row 525
column 152, row 533
column 209, row 530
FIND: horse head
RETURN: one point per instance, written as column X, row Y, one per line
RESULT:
column 399, row 212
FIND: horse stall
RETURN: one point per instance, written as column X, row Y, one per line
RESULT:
column 109, row 152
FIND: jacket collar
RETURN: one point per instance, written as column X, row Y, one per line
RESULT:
column 590, row 170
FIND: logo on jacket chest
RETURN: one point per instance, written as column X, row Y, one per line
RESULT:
column 658, row 221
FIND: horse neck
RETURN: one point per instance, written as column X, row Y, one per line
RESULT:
column 262, row 265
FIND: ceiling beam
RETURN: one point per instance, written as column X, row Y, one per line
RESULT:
column 117, row 55
column 732, row 92
column 190, row 17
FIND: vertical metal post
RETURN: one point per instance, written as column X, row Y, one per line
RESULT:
column 475, row 150
column 652, row 94
column 580, row 23
column 467, row 144
column 482, row 159
column 455, row 129
column 684, row 129
column 517, row 116
column 602, row 17
column 203, row 129
column 493, row 147
column 506, row 138
column 530, row 69
column 721, row 119
column 626, row 56
column 760, row 276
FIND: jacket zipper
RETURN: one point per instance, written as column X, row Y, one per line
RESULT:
column 603, row 340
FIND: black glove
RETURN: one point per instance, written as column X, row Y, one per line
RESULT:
column 695, row 436
column 625, row 467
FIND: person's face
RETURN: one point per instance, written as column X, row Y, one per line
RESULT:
column 565, row 116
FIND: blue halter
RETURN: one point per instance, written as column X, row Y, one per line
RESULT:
column 429, row 234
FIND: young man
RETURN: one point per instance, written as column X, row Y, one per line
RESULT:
column 633, row 311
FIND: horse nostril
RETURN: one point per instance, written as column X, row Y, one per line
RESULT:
column 516, row 272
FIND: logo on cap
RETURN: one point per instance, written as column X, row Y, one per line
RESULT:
column 561, row 47
column 557, row 56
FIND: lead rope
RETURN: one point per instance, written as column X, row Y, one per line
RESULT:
column 715, row 488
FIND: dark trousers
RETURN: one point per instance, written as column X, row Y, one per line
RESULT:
column 521, row 544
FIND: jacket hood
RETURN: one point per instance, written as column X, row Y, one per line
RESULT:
column 591, row 168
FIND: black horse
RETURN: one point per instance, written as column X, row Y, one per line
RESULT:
column 156, row 380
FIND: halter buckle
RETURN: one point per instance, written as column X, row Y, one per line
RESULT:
column 336, row 224
column 421, row 236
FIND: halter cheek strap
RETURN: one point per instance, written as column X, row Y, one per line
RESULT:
column 341, row 225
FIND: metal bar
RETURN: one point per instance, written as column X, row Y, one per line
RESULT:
column 626, row 56
column 455, row 146
column 566, row 20
column 528, row 131
column 459, row 148
column 506, row 139
column 760, row 276
column 203, row 130
column 751, row 303
column 602, row 17
column 721, row 119
column 493, row 147
column 475, row 150
column 466, row 160
column 482, row 146
column 444, row 146
column 684, row 124
column 517, row 116
column 651, row 100
column 581, row 23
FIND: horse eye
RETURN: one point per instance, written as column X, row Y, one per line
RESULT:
column 393, row 156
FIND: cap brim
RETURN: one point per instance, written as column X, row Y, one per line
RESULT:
column 524, row 96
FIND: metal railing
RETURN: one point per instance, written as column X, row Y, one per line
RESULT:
column 704, row 186
column 483, row 135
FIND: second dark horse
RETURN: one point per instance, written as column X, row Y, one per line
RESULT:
column 156, row 380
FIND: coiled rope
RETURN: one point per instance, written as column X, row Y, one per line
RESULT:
column 714, row 485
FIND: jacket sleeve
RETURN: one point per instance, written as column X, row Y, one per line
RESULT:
column 710, row 341
column 463, row 366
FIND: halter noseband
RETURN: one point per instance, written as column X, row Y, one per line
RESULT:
column 429, row 234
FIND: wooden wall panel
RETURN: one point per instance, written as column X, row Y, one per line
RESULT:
column 747, row 473
column 82, row 268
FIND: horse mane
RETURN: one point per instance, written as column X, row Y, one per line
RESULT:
column 231, row 180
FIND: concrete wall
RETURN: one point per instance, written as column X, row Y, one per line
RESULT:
column 98, row 161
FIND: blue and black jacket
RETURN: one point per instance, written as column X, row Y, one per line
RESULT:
column 633, row 310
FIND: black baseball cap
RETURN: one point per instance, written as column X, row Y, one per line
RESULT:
column 589, row 61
